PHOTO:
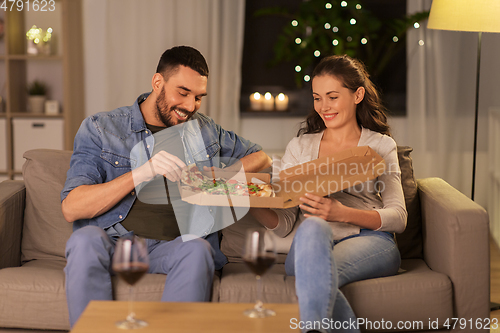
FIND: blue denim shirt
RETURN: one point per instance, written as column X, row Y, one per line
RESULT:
column 102, row 152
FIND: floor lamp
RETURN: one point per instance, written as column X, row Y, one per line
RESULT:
column 467, row 15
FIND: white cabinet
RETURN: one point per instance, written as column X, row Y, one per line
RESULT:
column 33, row 133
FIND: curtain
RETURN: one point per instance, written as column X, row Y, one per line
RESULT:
column 124, row 39
column 441, row 94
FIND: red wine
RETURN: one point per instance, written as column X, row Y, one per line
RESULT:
column 260, row 264
column 131, row 272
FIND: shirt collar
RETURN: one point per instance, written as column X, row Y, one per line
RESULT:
column 137, row 123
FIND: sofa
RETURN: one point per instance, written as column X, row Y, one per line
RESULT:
column 444, row 271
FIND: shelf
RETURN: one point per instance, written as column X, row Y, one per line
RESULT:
column 299, row 113
column 34, row 115
column 33, row 57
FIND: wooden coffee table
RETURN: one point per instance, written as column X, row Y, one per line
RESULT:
column 100, row 316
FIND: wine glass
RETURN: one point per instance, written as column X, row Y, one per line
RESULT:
column 131, row 262
column 259, row 254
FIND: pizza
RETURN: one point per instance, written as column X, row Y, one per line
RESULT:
column 196, row 181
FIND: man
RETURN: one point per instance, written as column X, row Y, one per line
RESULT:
column 100, row 197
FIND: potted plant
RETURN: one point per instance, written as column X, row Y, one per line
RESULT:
column 37, row 91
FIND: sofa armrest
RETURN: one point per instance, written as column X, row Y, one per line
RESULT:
column 12, row 202
column 456, row 243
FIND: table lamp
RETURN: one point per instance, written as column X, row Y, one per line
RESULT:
column 466, row 15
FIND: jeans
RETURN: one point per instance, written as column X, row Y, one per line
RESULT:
column 89, row 252
column 322, row 266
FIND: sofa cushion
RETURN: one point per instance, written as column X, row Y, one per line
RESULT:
column 410, row 241
column 45, row 230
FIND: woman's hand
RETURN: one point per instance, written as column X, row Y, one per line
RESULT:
column 328, row 209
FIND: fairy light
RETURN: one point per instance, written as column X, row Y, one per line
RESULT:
column 335, row 29
column 421, row 42
column 352, row 21
column 298, row 68
column 328, row 5
column 307, row 78
column 317, row 53
column 416, row 25
column 298, row 41
column 358, row 6
column 327, row 26
column 349, row 38
column 335, row 42
column 343, row 3
column 295, row 23
column 395, row 39
column 364, row 41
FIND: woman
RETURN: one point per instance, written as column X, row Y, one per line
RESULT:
column 347, row 236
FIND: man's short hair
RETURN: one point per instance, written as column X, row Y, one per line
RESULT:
column 177, row 56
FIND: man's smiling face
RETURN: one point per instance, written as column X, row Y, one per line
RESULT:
column 180, row 96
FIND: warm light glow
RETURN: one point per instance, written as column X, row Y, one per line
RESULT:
column 364, row 41
column 421, row 43
column 335, row 42
column 295, row 23
column 352, row 21
column 298, row 40
column 268, row 96
column 358, row 6
column 307, row 78
column 416, row 25
column 298, row 68
column 328, row 5
column 256, row 96
column 395, row 39
column 349, row 38
column 281, row 96
column 465, row 15
column 327, row 26
column 335, row 29
column 317, row 53
column 343, row 3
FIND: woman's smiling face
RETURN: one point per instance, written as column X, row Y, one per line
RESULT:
column 335, row 103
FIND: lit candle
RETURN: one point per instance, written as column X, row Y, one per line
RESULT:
column 256, row 101
column 268, row 102
column 281, row 102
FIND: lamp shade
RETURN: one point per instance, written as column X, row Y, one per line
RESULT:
column 465, row 15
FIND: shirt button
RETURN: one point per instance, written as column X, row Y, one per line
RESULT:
column 147, row 132
column 120, row 216
column 116, row 162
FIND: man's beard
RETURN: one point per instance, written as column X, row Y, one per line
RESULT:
column 165, row 112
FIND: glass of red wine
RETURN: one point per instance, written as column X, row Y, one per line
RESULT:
column 131, row 262
column 259, row 254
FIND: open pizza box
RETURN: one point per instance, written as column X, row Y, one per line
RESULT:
column 322, row 177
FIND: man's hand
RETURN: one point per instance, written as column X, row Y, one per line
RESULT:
column 162, row 163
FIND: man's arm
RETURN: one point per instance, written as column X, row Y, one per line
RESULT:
column 88, row 201
column 255, row 162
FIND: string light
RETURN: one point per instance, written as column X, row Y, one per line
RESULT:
column 298, row 68
column 395, row 39
column 352, row 21
column 328, row 5
column 358, row 6
column 317, row 53
column 349, row 38
column 364, row 41
column 327, row 26
column 416, row 25
column 421, row 42
column 298, row 41
column 335, row 42
column 307, row 78
column 343, row 3
column 335, row 29
column 295, row 23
